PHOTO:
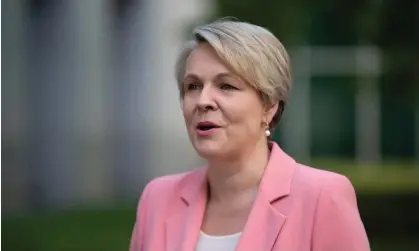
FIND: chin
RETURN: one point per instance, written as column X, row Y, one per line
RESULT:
column 209, row 150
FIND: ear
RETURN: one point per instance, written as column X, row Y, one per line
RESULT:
column 181, row 103
column 270, row 112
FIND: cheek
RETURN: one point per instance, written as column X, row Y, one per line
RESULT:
column 246, row 118
column 187, row 110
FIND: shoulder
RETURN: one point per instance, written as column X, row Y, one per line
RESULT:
column 337, row 224
column 169, row 185
column 322, row 182
column 320, row 177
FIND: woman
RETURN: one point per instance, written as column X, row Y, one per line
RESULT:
column 234, row 80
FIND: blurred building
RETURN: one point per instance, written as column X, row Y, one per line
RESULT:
column 91, row 109
column 90, row 105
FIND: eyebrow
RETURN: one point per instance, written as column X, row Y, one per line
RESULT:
column 220, row 75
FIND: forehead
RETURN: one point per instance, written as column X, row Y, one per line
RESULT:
column 203, row 60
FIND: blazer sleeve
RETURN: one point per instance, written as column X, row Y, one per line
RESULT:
column 137, row 237
column 337, row 223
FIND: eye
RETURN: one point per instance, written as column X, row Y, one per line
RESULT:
column 227, row 87
column 193, row 86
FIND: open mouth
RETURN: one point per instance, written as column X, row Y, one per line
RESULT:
column 206, row 126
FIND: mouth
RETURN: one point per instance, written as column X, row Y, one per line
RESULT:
column 206, row 126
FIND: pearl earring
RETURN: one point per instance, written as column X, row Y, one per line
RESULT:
column 267, row 132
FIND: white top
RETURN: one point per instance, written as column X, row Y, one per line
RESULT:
column 219, row 243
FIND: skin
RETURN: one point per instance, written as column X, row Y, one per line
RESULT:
column 237, row 151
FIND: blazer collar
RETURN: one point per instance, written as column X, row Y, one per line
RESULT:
column 275, row 183
column 276, row 180
column 184, row 226
column 266, row 214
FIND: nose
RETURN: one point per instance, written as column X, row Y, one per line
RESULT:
column 206, row 99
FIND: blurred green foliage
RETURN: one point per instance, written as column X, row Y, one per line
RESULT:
column 111, row 230
column 68, row 231
column 390, row 25
column 380, row 178
column 385, row 197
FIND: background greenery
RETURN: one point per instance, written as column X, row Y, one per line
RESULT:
column 389, row 206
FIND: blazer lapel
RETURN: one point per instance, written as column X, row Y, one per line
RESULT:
column 262, row 227
column 183, row 227
column 266, row 219
column 264, row 222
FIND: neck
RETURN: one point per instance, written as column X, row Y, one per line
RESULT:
column 231, row 178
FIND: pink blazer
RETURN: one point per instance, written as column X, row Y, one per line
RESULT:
column 298, row 208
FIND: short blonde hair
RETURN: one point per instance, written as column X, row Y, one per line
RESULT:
column 252, row 52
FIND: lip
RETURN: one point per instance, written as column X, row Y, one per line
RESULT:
column 207, row 132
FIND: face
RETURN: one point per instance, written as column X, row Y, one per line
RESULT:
column 223, row 114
